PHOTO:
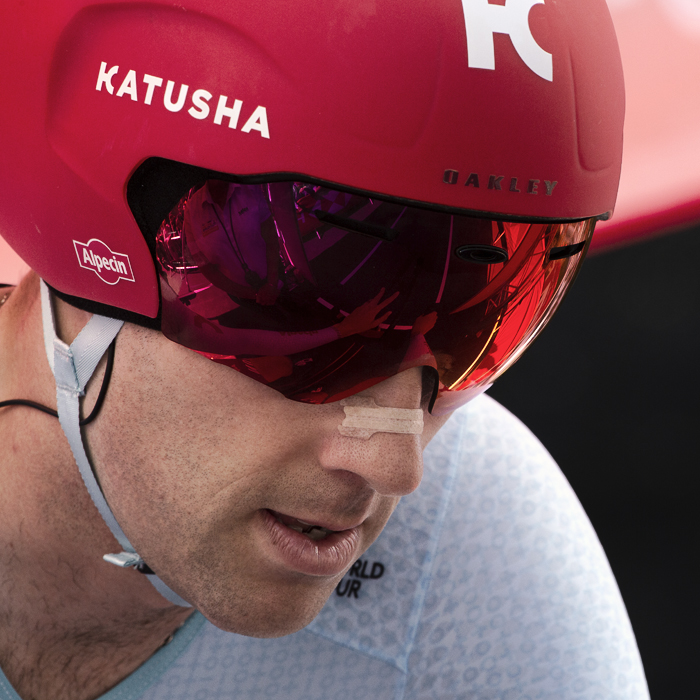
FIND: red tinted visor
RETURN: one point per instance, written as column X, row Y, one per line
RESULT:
column 320, row 293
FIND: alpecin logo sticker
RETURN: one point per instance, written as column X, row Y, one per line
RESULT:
column 108, row 266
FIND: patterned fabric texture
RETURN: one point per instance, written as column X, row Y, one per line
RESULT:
column 487, row 584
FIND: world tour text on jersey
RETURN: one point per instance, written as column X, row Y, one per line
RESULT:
column 495, row 182
column 361, row 569
column 145, row 90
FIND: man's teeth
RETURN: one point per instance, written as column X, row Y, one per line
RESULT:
column 317, row 533
column 311, row 531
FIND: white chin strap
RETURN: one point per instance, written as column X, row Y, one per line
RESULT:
column 72, row 367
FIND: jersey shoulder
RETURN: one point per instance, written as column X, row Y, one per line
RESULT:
column 490, row 580
column 487, row 583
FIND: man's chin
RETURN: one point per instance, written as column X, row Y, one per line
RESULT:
column 264, row 616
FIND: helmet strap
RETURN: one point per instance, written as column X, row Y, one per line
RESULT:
column 72, row 367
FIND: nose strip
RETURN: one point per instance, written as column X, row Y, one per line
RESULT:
column 363, row 418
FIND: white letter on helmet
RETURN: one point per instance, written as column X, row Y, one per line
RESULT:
column 483, row 20
column 168, row 97
column 200, row 108
column 258, row 121
column 231, row 112
column 153, row 81
column 105, row 78
column 129, row 86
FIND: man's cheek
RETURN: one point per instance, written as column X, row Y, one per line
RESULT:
column 431, row 426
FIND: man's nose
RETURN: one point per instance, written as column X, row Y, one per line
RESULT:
column 390, row 463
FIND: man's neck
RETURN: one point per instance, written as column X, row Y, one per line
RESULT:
column 71, row 626
column 44, row 655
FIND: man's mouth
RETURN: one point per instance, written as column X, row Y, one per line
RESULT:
column 325, row 546
column 313, row 532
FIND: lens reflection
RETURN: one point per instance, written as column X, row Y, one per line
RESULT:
column 320, row 293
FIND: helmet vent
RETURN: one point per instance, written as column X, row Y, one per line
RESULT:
column 482, row 254
column 369, row 229
column 566, row 251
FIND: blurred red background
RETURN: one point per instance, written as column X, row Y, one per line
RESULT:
column 660, row 184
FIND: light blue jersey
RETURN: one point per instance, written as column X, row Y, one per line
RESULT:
column 488, row 583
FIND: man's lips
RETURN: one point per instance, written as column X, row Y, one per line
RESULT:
column 314, row 521
column 330, row 554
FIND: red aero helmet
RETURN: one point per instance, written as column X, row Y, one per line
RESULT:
column 508, row 111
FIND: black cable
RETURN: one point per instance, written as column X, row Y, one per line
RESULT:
column 105, row 385
column 31, row 404
column 100, row 398
column 142, row 568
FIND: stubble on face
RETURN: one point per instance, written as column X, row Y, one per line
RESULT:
column 190, row 454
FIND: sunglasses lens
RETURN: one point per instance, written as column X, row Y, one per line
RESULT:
column 320, row 293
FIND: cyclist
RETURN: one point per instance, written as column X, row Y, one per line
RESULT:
column 274, row 249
